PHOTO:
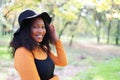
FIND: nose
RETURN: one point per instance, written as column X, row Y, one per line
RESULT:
column 40, row 30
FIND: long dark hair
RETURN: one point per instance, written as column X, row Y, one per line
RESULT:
column 24, row 39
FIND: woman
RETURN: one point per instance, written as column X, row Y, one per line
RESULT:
column 33, row 58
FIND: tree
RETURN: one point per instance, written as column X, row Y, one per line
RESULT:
column 100, row 9
column 66, row 11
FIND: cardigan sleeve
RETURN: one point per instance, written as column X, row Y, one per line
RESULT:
column 24, row 64
column 60, row 58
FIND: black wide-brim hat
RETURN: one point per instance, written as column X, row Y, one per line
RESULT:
column 29, row 15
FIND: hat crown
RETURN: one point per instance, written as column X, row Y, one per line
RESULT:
column 24, row 15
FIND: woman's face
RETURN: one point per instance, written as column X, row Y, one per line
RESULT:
column 38, row 30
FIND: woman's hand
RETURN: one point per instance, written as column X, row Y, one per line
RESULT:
column 55, row 77
column 53, row 33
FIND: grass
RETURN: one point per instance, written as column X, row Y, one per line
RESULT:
column 4, row 53
column 109, row 70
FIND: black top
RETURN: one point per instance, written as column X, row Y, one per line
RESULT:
column 45, row 68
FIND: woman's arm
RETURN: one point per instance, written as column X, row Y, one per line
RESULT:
column 24, row 64
column 59, row 59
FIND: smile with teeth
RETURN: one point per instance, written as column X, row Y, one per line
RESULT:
column 39, row 36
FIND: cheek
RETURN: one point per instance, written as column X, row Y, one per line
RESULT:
column 44, row 31
column 33, row 32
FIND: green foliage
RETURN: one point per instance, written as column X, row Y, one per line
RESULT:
column 4, row 52
column 103, row 5
column 68, row 11
column 4, row 22
column 22, row 4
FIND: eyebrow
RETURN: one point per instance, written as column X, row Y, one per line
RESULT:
column 39, row 24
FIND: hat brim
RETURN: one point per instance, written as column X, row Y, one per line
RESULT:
column 45, row 16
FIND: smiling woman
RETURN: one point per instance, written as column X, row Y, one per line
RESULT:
column 33, row 58
column 38, row 30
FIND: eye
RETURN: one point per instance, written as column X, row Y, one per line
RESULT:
column 35, row 26
column 43, row 27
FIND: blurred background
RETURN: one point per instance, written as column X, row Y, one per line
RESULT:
column 89, row 30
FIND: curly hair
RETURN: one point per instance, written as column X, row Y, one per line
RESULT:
column 24, row 39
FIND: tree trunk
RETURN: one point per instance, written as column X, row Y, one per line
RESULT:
column 117, row 33
column 108, row 33
column 98, row 18
column 98, row 33
column 98, row 37
column 71, row 40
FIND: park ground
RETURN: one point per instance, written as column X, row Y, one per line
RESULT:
column 86, row 61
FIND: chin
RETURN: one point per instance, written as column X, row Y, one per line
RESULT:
column 39, row 41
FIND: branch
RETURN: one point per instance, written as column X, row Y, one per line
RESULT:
column 61, row 32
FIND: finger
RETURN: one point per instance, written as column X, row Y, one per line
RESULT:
column 52, row 27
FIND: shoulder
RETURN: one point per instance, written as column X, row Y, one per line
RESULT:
column 22, row 51
column 22, row 58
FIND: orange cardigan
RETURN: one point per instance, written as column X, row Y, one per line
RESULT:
column 24, row 62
